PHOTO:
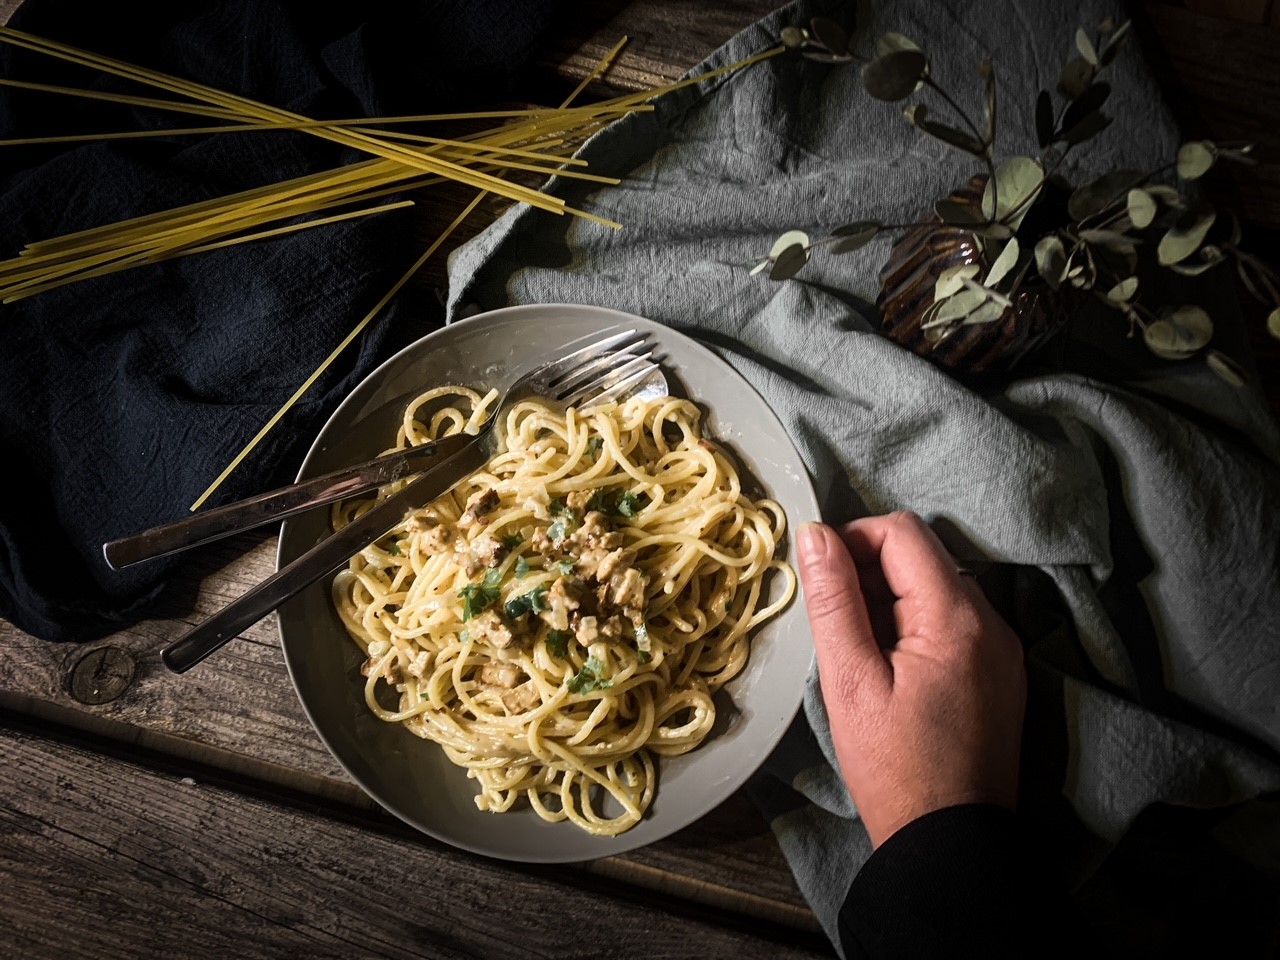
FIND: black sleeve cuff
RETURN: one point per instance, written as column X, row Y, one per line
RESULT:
column 960, row 882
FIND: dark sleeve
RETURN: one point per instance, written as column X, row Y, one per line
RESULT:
column 960, row 882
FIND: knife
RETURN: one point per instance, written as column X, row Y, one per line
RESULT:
column 278, row 504
column 324, row 558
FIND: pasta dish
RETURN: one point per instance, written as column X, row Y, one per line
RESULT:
column 564, row 616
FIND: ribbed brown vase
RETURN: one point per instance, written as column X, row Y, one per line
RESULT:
column 978, row 351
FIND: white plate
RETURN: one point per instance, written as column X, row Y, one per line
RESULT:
column 410, row 776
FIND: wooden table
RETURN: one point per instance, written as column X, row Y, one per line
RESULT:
column 145, row 814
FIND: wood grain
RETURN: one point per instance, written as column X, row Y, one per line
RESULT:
column 237, row 713
column 107, row 859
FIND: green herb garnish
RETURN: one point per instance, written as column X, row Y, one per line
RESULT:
column 512, row 540
column 522, row 566
column 477, row 597
column 588, row 678
column 594, row 444
column 629, row 504
column 535, row 601
column 558, row 642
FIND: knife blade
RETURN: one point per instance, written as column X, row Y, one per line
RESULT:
column 279, row 504
column 325, row 557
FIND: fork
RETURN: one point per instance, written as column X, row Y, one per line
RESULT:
column 601, row 371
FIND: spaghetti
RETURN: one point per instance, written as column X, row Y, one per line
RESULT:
column 566, row 615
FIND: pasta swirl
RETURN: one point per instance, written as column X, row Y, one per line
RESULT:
column 566, row 614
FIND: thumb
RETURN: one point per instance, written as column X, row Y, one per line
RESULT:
column 850, row 663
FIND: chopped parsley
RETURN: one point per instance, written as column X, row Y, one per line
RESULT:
column 512, row 540
column 594, row 444
column 477, row 597
column 629, row 504
column 522, row 566
column 558, row 530
column 601, row 501
column 565, row 567
column 558, row 642
column 559, row 508
column 588, row 678
column 535, row 601
column 393, row 548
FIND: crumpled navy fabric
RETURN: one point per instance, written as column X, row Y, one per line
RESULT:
column 123, row 397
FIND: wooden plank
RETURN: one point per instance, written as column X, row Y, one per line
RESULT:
column 107, row 859
column 1223, row 82
column 237, row 713
column 1246, row 11
column 665, row 38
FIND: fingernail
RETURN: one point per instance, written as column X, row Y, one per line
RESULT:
column 813, row 540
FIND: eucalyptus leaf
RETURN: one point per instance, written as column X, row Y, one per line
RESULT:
column 1112, row 45
column 854, row 235
column 893, row 76
column 1089, row 127
column 952, row 279
column 960, row 305
column 1051, row 260
column 1273, row 323
column 1085, row 46
column 993, row 231
column 1108, row 238
column 1009, row 196
column 957, row 213
column 1076, row 77
column 989, row 312
column 1195, row 159
column 1184, row 238
column 1123, row 291
column 893, row 42
column 792, row 37
column 1091, row 100
column 1226, row 368
column 1210, row 257
column 956, row 138
column 1141, row 207
column 1250, row 284
column 829, row 33
column 1007, row 260
column 789, row 262
column 1097, row 195
column 788, row 239
column 1185, row 331
column 1164, row 193
column 1044, row 119
column 915, row 113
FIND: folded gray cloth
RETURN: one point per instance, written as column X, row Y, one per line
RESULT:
column 1127, row 515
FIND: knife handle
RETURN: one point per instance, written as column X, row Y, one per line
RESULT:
column 279, row 504
column 325, row 557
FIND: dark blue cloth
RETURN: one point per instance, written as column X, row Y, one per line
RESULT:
column 123, row 397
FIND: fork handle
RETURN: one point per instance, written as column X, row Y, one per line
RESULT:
column 276, row 505
column 325, row 557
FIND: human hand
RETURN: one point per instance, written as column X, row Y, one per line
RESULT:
column 923, row 681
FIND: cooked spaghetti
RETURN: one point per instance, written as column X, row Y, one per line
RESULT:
column 566, row 614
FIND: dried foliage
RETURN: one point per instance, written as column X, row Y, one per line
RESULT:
column 1110, row 231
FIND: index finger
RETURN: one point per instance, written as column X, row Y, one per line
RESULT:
column 917, row 568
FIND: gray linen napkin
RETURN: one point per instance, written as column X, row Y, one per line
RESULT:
column 1126, row 514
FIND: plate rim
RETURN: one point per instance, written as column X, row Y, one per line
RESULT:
column 616, row 844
